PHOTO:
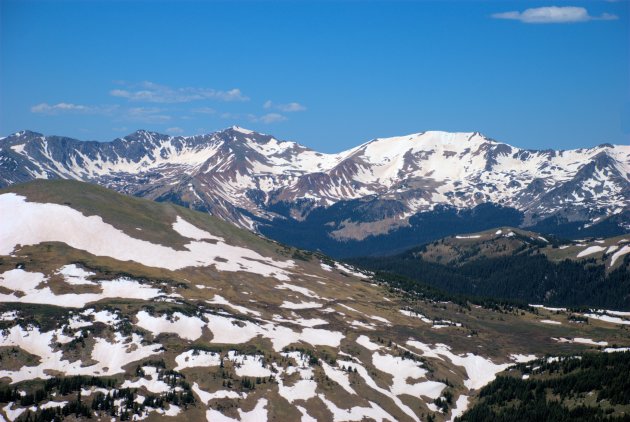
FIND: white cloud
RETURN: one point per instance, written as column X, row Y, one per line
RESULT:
column 146, row 115
column 287, row 108
column 154, row 93
column 204, row 110
column 175, row 130
column 253, row 118
column 271, row 118
column 51, row 109
column 553, row 14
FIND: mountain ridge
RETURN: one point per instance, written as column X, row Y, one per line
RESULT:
column 246, row 177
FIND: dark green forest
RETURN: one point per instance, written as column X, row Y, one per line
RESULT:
column 521, row 278
column 592, row 387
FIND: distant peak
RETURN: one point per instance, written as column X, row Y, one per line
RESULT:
column 242, row 130
column 26, row 133
column 438, row 137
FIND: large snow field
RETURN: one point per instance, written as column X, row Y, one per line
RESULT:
column 33, row 223
column 231, row 331
column 590, row 251
column 369, row 381
column 195, row 358
column 249, row 365
column 27, row 282
column 404, row 369
column 110, row 356
column 188, row 328
column 480, row 370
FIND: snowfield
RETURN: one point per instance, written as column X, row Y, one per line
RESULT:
column 33, row 223
column 188, row 328
column 26, row 283
column 110, row 356
column 480, row 370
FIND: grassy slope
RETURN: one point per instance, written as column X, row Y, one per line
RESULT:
column 491, row 333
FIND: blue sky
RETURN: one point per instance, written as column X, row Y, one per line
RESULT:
column 329, row 75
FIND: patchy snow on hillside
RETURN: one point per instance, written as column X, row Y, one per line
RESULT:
column 188, row 328
column 20, row 280
column 460, row 407
column 186, row 229
column 356, row 413
column 360, row 369
column 220, row 300
column 206, row 397
column 520, row 358
column 608, row 318
column 339, row 376
column 581, row 340
column 367, row 343
column 480, row 370
column 258, row 414
column 402, row 370
column 302, row 305
column 150, row 382
column 26, row 283
column 110, row 356
column 231, row 331
column 302, row 290
column 621, row 252
column 414, row 314
column 194, row 358
column 34, row 223
column 590, row 251
column 249, row 365
column 75, row 275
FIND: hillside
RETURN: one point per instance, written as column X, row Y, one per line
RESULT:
column 519, row 265
column 114, row 306
column 588, row 388
column 381, row 197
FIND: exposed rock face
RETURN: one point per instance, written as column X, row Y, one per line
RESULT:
column 259, row 182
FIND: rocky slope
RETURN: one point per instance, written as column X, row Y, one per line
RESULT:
column 350, row 202
column 119, row 307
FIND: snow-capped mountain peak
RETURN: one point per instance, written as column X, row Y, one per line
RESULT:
column 238, row 174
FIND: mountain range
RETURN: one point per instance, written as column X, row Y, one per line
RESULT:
column 380, row 197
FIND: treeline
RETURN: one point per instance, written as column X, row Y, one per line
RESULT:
column 522, row 278
column 557, row 390
column 99, row 403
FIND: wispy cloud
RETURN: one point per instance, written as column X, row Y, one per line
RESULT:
column 272, row 118
column 553, row 14
column 204, row 110
column 146, row 115
column 287, row 108
column 59, row 108
column 174, row 130
column 253, row 118
column 155, row 93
